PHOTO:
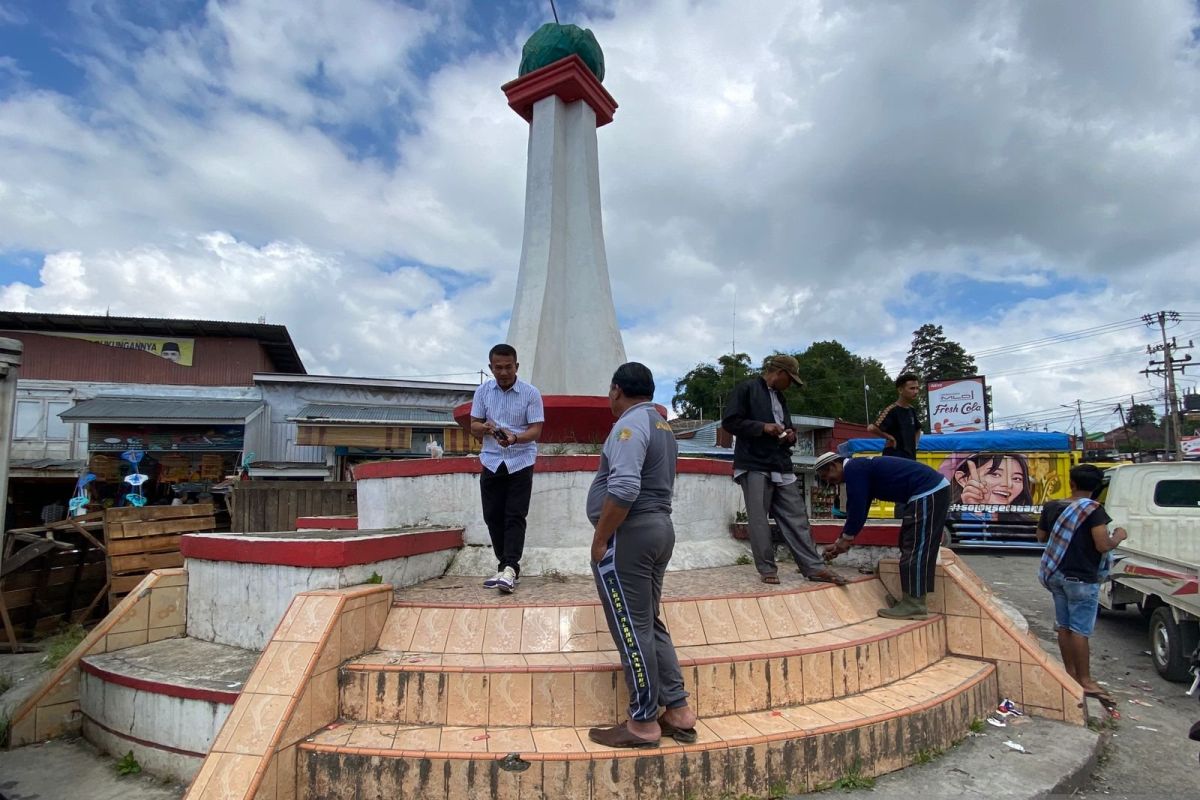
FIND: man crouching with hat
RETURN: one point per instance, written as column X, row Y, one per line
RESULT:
column 899, row 480
column 762, row 465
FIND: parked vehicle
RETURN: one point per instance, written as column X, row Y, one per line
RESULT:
column 1019, row 471
column 1158, row 567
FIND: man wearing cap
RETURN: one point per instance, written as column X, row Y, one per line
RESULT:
column 757, row 415
column 899, row 480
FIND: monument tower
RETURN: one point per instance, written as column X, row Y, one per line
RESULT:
column 563, row 324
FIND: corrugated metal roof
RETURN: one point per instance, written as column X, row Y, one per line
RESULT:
column 174, row 409
column 329, row 413
column 275, row 339
column 703, row 442
column 61, row 464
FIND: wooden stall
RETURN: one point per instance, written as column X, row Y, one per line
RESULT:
column 142, row 539
column 260, row 506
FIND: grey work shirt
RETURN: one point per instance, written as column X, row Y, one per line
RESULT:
column 637, row 464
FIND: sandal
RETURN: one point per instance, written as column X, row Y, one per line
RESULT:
column 680, row 735
column 771, row 579
column 1106, row 699
column 620, row 736
column 826, row 576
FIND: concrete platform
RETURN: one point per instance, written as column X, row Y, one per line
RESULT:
column 165, row 701
column 72, row 769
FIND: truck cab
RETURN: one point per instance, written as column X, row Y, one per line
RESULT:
column 1158, row 567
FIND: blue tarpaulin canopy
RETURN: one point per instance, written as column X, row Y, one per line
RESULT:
column 975, row 441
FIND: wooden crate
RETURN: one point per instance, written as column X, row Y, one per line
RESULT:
column 51, row 575
column 139, row 540
column 262, row 506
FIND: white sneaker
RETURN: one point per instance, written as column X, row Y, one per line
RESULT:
column 494, row 581
column 506, row 580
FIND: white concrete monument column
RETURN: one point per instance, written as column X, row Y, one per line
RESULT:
column 563, row 324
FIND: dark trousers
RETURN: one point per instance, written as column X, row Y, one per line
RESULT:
column 629, row 579
column 920, row 538
column 505, row 498
column 786, row 505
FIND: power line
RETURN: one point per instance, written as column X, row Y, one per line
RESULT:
column 1099, row 330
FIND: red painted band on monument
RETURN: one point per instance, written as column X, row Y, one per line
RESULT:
column 143, row 742
column 419, row 467
column 160, row 687
column 328, row 553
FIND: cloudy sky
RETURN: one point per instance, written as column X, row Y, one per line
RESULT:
column 1013, row 171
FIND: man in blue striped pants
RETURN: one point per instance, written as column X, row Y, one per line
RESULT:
column 899, row 480
column 630, row 505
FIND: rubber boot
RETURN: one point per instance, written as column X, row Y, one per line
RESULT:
column 909, row 607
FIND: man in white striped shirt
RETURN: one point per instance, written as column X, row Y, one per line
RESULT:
column 507, row 415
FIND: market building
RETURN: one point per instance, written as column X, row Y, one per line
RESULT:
column 91, row 387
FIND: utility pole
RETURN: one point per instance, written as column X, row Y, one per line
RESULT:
column 866, row 408
column 1082, row 433
column 1124, row 424
column 1167, row 368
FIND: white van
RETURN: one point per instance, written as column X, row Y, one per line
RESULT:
column 1158, row 566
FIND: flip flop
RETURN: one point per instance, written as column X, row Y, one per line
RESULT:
column 826, row 576
column 771, row 579
column 680, row 735
column 1106, row 699
column 620, row 736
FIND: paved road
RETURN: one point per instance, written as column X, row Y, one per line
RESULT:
column 1141, row 763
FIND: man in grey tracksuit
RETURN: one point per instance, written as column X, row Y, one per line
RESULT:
column 630, row 504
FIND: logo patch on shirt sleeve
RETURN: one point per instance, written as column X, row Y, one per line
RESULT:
column 625, row 434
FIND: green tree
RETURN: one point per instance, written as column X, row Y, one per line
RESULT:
column 834, row 381
column 1141, row 414
column 933, row 357
column 701, row 393
column 833, row 385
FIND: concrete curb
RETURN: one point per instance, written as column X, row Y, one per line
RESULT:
column 1060, row 759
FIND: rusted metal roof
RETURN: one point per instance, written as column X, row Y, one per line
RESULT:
column 338, row 413
column 172, row 410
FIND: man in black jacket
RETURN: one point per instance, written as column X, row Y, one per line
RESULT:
column 757, row 415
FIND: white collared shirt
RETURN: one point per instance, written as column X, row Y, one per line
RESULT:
column 513, row 409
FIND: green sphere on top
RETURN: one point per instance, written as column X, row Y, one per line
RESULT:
column 553, row 42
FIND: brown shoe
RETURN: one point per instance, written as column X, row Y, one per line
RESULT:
column 620, row 736
column 826, row 576
column 772, row 579
column 680, row 735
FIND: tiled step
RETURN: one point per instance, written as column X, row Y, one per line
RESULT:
column 165, row 700
column 880, row 730
column 587, row 687
column 525, row 623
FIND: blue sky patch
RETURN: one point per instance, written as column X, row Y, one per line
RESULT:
column 20, row 265
column 945, row 297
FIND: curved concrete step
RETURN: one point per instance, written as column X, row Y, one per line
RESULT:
column 552, row 617
column 587, row 688
column 872, row 732
column 165, row 701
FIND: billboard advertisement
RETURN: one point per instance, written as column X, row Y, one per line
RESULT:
column 957, row 406
column 172, row 349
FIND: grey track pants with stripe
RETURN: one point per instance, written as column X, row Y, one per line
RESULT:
column 629, row 579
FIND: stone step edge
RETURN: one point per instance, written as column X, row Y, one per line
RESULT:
column 167, row 688
column 612, row 666
column 983, row 672
column 809, row 586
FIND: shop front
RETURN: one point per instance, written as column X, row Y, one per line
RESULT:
column 186, row 446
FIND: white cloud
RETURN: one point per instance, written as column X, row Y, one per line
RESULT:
column 814, row 155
